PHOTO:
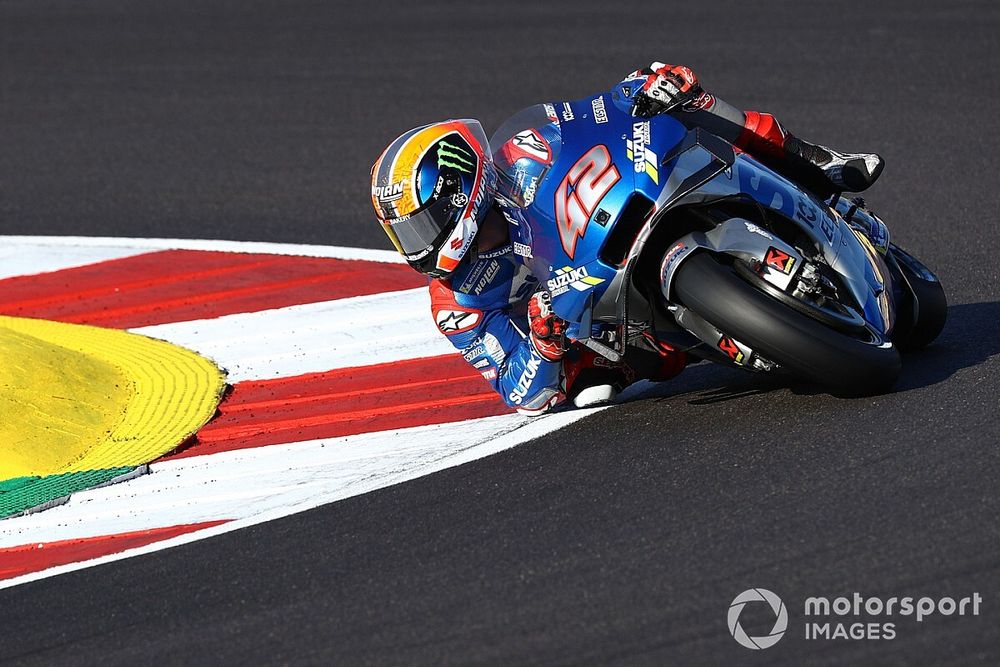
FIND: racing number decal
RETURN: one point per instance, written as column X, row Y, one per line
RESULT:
column 581, row 191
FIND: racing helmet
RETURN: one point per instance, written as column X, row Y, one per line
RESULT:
column 431, row 188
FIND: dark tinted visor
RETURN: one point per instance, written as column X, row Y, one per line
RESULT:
column 415, row 235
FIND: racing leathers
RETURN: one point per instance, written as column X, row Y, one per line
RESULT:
column 482, row 306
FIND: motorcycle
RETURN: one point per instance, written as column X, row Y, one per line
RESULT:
column 647, row 228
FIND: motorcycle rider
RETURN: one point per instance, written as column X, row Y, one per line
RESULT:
column 452, row 204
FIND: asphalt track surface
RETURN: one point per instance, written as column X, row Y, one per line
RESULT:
column 624, row 538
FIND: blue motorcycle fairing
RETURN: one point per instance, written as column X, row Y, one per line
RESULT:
column 605, row 158
column 601, row 165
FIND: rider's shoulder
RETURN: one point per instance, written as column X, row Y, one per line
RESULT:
column 454, row 312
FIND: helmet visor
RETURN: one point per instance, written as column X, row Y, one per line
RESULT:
column 416, row 235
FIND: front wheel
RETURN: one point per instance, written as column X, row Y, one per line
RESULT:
column 927, row 306
column 799, row 343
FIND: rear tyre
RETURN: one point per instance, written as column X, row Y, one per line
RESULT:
column 793, row 340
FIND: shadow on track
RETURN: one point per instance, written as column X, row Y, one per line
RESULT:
column 970, row 337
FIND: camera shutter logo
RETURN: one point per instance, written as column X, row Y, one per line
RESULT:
column 780, row 622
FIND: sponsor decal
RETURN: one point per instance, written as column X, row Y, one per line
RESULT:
column 732, row 349
column 529, row 192
column 550, row 111
column 637, row 150
column 476, row 272
column 567, row 277
column 567, row 112
column 456, row 321
column 600, row 112
column 576, row 198
column 704, row 101
column 493, row 254
column 754, row 229
column 529, row 143
column 494, row 349
column 477, row 350
column 491, row 272
column 388, row 193
column 480, row 198
column 522, row 250
column 486, row 346
column 780, row 260
column 626, row 91
column 606, row 363
column 672, row 255
column 459, row 199
column 489, row 374
column 457, row 242
column 807, row 212
column 524, row 382
column 456, row 157
column 828, row 227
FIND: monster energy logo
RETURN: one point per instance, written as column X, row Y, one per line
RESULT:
column 455, row 157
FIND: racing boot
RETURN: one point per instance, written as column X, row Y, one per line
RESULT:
column 818, row 168
column 846, row 172
column 590, row 379
column 670, row 363
column 593, row 380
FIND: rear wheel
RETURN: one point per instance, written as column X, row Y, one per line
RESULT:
column 808, row 348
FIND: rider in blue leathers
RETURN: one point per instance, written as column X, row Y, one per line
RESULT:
column 454, row 205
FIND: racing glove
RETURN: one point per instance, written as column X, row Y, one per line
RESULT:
column 548, row 331
column 667, row 87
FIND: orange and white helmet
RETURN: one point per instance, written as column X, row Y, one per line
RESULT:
column 431, row 188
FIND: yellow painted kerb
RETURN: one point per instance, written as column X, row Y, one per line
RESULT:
column 75, row 398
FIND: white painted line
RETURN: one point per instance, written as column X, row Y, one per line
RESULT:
column 28, row 258
column 78, row 243
column 228, row 482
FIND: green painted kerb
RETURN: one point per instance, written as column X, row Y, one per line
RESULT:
column 23, row 493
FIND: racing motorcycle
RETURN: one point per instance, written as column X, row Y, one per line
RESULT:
column 674, row 234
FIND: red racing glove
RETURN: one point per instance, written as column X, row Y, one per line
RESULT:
column 667, row 87
column 548, row 331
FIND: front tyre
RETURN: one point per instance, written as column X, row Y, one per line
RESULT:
column 793, row 340
column 928, row 305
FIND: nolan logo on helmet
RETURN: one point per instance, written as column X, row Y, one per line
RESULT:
column 388, row 193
